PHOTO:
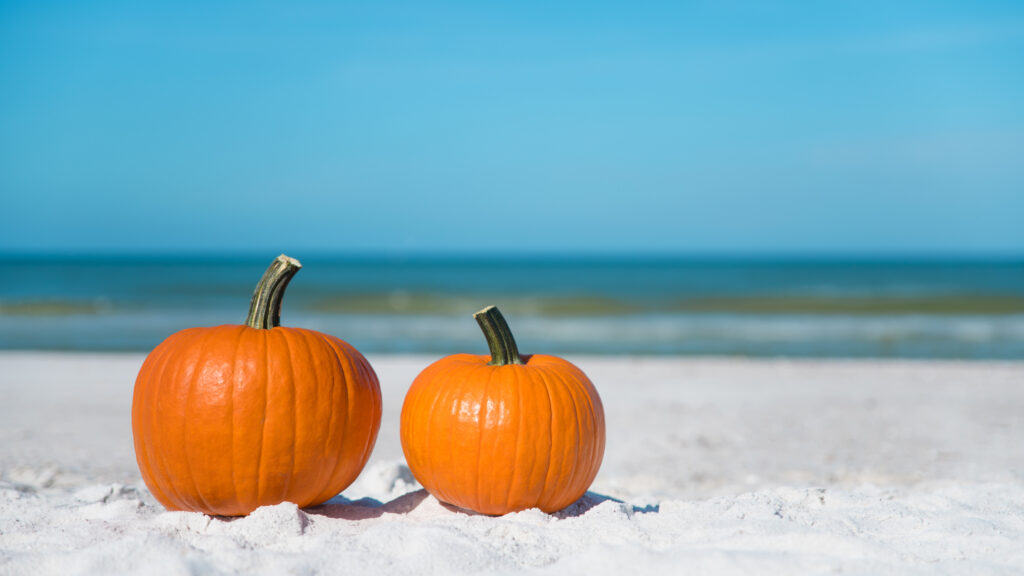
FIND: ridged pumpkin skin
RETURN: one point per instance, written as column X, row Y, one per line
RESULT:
column 499, row 439
column 230, row 418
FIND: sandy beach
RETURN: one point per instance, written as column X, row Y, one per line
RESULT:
column 713, row 466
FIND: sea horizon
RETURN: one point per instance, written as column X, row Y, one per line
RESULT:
column 910, row 256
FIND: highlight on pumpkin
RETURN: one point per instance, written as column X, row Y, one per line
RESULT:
column 511, row 433
column 229, row 418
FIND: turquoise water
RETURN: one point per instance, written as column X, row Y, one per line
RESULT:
column 762, row 307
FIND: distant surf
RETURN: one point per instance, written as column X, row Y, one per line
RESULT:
column 841, row 308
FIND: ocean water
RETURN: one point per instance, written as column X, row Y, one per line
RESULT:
column 755, row 307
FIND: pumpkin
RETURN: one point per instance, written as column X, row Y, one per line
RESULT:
column 502, row 433
column 230, row 418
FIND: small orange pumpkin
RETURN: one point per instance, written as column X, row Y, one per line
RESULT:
column 503, row 433
column 230, row 418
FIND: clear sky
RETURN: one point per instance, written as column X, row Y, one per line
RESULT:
column 882, row 127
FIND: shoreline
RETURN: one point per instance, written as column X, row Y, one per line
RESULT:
column 427, row 358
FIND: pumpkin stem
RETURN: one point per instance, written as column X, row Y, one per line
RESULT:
column 499, row 337
column 265, row 307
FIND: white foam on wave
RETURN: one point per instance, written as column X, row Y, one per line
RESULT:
column 975, row 336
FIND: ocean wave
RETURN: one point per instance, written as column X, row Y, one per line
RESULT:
column 53, row 307
column 430, row 303
column 682, row 327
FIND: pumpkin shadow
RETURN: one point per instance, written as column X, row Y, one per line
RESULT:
column 342, row 508
column 591, row 500
column 586, row 503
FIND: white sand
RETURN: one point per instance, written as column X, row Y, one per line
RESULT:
column 713, row 466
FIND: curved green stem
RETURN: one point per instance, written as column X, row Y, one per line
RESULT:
column 499, row 337
column 265, row 308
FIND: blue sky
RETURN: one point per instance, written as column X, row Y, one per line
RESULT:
column 677, row 127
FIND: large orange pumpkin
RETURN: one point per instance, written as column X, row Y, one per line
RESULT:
column 230, row 418
column 503, row 433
